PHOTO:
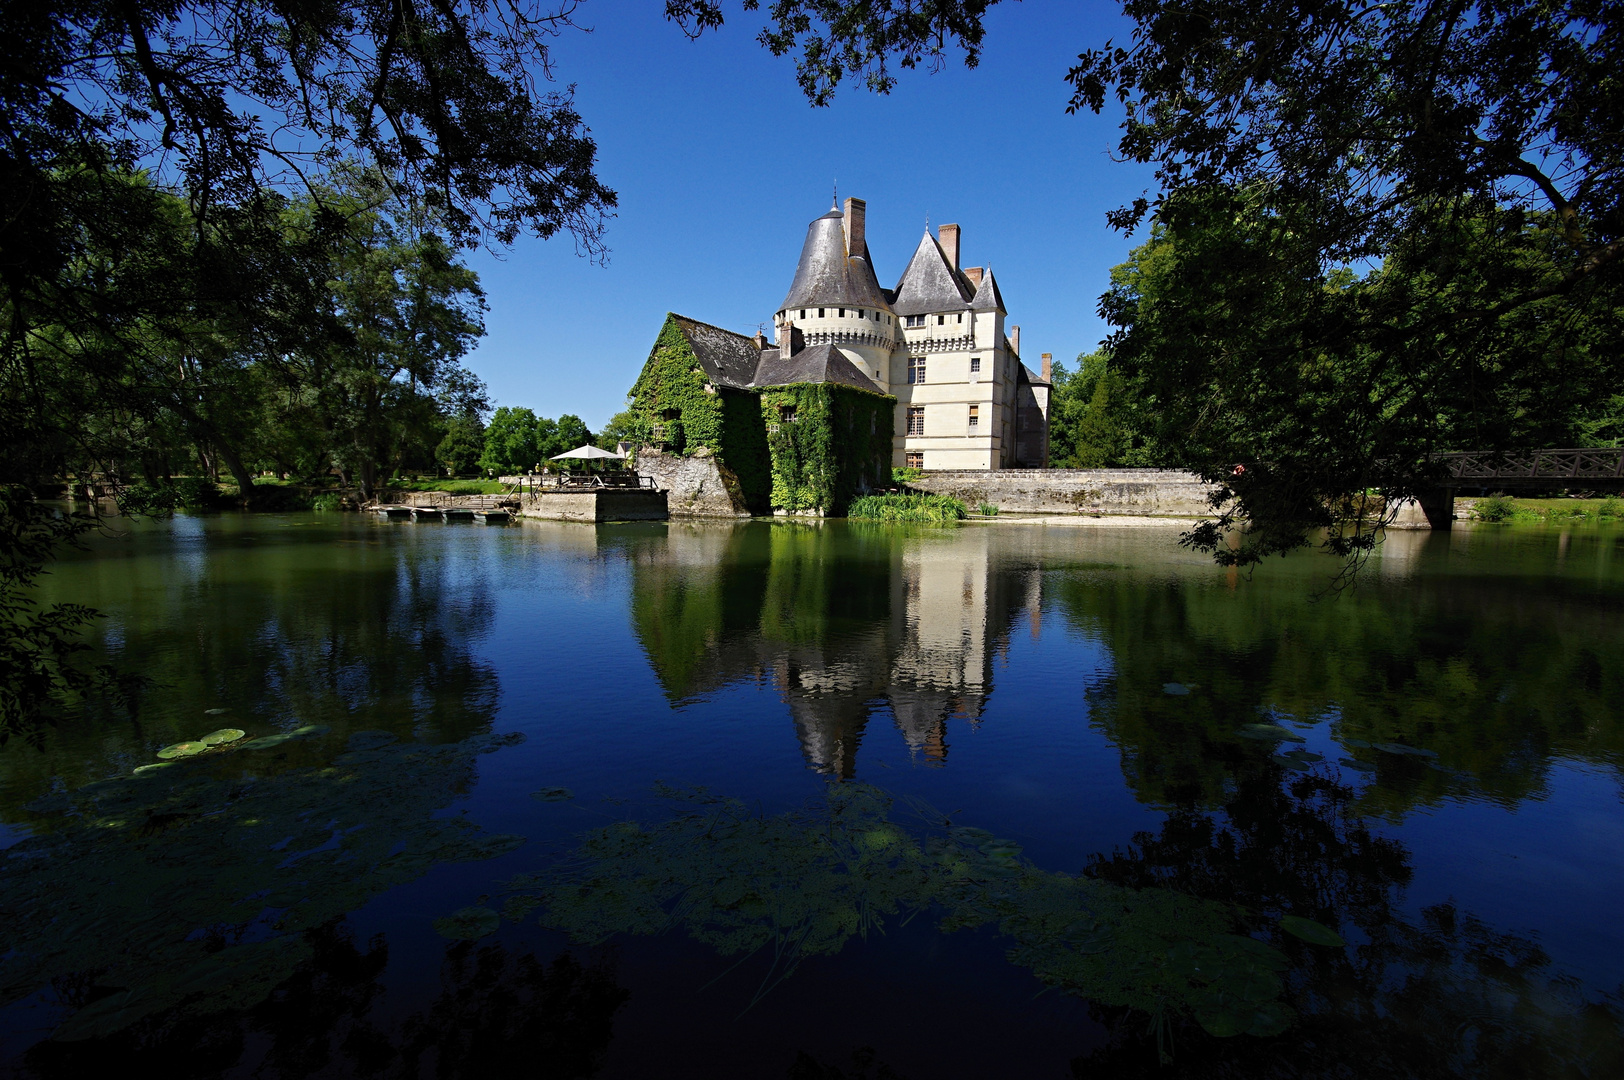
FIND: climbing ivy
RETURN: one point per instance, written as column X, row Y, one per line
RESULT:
column 828, row 443
column 671, row 394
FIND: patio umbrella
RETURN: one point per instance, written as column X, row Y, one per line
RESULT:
column 590, row 453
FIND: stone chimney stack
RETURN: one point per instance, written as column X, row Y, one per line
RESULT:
column 974, row 274
column 790, row 340
column 761, row 340
column 1048, row 367
column 856, row 216
column 1015, row 340
column 950, row 244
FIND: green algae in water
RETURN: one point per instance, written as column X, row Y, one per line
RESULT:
column 266, row 857
column 1310, row 931
column 469, row 924
column 804, row 883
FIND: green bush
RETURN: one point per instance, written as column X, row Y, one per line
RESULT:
column 1611, row 507
column 329, row 501
column 1494, row 508
column 904, row 477
column 987, row 510
column 927, row 509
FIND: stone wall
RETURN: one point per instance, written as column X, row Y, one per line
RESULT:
column 601, row 504
column 1129, row 492
column 697, row 486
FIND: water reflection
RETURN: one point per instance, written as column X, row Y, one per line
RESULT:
column 846, row 622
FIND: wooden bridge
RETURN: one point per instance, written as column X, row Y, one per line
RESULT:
column 1587, row 469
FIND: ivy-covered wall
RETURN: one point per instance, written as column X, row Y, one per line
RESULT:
column 837, row 445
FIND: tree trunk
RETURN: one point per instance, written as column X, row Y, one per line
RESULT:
column 245, row 483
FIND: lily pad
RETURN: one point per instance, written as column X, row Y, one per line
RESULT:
column 371, row 740
column 1175, row 688
column 1356, row 765
column 143, row 770
column 1310, row 931
column 222, row 736
column 1361, row 744
column 553, row 794
column 214, row 712
column 1269, row 732
column 265, row 742
column 310, row 729
column 182, row 749
column 469, row 924
column 1288, row 762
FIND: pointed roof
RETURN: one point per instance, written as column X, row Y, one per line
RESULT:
column 930, row 283
column 815, row 364
column 729, row 359
column 988, row 298
column 827, row 275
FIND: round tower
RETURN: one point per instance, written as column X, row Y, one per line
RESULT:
column 836, row 299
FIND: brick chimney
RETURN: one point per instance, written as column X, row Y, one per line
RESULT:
column 760, row 340
column 950, row 244
column 974, row 274
column 1048, row 367
column 790, row 340
column 856, row 216
column 1015, row 340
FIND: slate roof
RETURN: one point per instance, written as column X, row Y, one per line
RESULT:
column 814, row 364
column 930, row 283
column 826, row 276
column 988, row 298
column 729, row 359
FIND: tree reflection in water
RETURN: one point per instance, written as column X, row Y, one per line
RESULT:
column 500, row 1012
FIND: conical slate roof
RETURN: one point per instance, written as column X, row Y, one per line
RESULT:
column 930, row 283
column 988, row 297
column 826, row 275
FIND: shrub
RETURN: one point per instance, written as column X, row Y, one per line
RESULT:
column 329, row 501
column 987, row 510
column 927, row 509
column 904, row 477
column 1494, row 508
column 1611, row 507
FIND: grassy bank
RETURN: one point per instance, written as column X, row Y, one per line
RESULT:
column 926, row 509
column 1505, row 509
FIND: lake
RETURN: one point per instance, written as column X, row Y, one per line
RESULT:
column 822, row 800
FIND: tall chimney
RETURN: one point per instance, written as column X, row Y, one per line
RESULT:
column 974, row 274
column 950, row 244
column 856, row 212
column 1048, row 367
column 1015, row 340
column 790, row 340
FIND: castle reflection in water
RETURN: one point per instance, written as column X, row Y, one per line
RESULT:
column 847, row 628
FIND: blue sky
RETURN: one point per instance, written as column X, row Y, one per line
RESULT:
column 720, row 163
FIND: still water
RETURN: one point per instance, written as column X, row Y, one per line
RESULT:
column 792, row 800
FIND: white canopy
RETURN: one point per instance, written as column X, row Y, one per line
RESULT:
column 591, row 453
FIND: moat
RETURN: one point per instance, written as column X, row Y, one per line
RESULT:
column 780, row 799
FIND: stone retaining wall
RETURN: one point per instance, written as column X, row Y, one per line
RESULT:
column 697, row 486
column 599, row 504
column 1129, row 492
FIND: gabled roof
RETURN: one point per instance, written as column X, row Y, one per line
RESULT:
column 930, row 283
column 826, row 275
column 729, row 359
column 815, row 364
column 988, row 298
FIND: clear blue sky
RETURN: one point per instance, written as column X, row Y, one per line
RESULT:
column 720, row 163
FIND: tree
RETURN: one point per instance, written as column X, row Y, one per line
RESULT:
column 463, row 445
column 510, row 442
column 572, row 433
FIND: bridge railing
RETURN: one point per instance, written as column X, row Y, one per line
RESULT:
column 1573, row 464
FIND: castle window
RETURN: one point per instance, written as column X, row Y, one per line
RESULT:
column 916, row 369
column 786, row 414
column 975, row 417
column 916, row 320
column 842, row 313
column 916, row 459
column 941, row 320
column 803, row 313
column 916, row 420
column 975, row 364
column 820, row 313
